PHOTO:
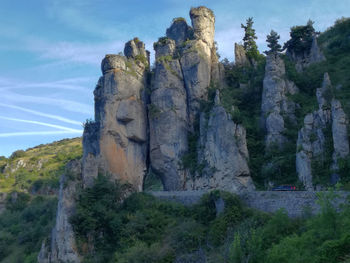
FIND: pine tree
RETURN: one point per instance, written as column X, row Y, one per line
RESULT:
column 249, row 39
column 272, row 40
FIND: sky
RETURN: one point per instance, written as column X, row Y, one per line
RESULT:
column 51, row 50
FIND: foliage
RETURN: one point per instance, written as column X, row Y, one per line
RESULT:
column 249, row 39
column 272, row 40
column 38, row 169
column 24, row 226
column 300, row 38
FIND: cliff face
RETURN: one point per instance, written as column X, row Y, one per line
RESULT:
column 140, row 125
column 116, row 143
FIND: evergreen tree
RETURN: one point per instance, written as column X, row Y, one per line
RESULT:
column 300, row 38
column 272, row 40
column 249, row 39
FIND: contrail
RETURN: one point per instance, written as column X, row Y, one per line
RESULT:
column 51, row 116
column 11, row 134
column 41, row 123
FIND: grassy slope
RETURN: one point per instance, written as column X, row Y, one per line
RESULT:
column 41, row 166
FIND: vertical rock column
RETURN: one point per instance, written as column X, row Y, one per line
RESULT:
column 311, row 138
column 168, row 117
column 116, row 143
column 276, row 106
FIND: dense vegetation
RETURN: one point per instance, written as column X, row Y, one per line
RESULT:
column 143, row 229
column 23, row 226
column 242, row 98
column 37, row 169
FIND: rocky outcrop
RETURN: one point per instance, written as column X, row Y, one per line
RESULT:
column 312, row 137
column 275, row 105
column 116, row 142
column 223, row 154
column 304, row 59
column 241, row 59
column 168, row 117
column 186, row 64
column 63, row 246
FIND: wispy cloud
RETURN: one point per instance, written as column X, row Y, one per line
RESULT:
column 40, row 123
column 13, row 134
column 69, row 105
column 38, row 113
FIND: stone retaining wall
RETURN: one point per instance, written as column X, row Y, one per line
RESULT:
column 294, row 202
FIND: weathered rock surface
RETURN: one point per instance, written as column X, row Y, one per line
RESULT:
column 275, row 105
column 339, row 130
column 240, row 56
column 311, row 138
column 186, row 64
column 168, row 118
column 116, row 143
column 63, row 246
column 179, row 31
column 305, row 59
column 224, row 155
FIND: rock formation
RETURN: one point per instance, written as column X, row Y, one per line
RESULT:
column 275, row 105
column 223, row 153
column 311, row 138
column 240, row 56
column 116, row 142
column 186, row 65
column 63, row 247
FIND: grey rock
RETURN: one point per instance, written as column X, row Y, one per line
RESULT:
column 311, row 138
column 116, row 143
column 224, row 156
column 240, row 56
column 203, row 23
column 135, row 48
column 275, row 102
column 168, row 121
column 179, row 31
column 164, row 48
column 339, row 130
column 63, row 245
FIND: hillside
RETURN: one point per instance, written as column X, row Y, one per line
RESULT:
column 38, row 169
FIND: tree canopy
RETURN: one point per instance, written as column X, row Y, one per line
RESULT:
column 272, row 40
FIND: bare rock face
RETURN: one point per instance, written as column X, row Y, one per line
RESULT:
column 305, row 59
column 311, row 137
column 179, row 31
column 168, row 118
column 275, row 103
column 63, row 246
column 339, row 130
column 116, row 143
column 186, row 64
column 240, row 56
column 224, row 157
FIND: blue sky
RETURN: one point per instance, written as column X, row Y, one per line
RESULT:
column 50, row 51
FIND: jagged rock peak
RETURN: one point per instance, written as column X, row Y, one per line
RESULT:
column 203, row 23
column 179, row 31
column 113, row 62
column 135, row 48
column 164, row 47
